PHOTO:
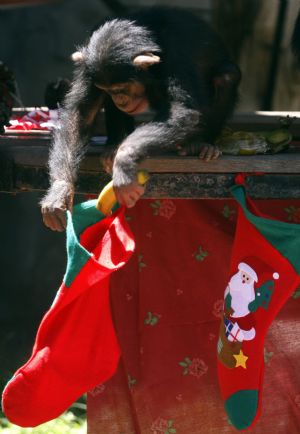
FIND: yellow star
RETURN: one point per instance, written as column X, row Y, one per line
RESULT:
column 240, row 359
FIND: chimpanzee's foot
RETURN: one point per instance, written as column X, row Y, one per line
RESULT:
column 209, row 152
column 205, row 151
column 107, row 158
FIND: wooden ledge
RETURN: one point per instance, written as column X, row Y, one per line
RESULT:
column 23, row 162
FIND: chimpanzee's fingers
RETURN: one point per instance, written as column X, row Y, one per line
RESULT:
column 56, row 224
column 181, row 151
column 53, row 221
column 61, row 219
column 47, row 220
column 203, row 152
column 108, row 165
column 209, row 153
column 217, row 153
column 140, row 190
column 50, row 221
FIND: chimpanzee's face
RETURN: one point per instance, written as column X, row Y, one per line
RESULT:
column 130, row 97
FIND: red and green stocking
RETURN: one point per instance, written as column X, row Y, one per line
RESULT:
column 265, row 268
column 76, row 346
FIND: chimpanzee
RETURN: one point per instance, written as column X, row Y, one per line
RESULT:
column 165, row 60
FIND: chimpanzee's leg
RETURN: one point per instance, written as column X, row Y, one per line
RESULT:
column 225, row 84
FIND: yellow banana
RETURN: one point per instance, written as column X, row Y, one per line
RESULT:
column 107, row 198
column 142, row 177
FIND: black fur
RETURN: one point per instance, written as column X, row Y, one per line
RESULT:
column 192, row 91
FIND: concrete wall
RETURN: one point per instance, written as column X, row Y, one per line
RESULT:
column 36, row 41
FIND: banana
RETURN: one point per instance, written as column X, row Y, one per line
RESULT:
column 142, row 177
column 107, row 198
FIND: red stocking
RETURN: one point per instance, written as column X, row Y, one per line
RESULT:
column 76, row 346
column 265, row 270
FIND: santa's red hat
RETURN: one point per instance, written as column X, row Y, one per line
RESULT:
column 257, row 269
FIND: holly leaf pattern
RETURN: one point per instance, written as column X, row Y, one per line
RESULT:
column 228, row 212
column 131, row 381
column 200, row 254
column 141, row 263
column 296, row 294
column 151, row 319
column 293, row 214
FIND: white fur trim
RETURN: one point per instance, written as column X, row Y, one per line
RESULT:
column 275, row 276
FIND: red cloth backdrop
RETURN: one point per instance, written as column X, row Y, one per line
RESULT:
column 167, row 305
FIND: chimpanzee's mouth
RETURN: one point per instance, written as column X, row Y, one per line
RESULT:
column 141, row 106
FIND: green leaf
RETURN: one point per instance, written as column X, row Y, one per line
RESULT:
column 296, row 294
column 155, row 204
column 154, row 321
column 188, row 360
column 183, row 364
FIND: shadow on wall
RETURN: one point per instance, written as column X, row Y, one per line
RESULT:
column 32, row 262
column 37, row 41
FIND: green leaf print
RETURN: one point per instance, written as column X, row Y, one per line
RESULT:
column 228, row 212
column 267, row 355
column 151, row 319
column 200, row 254
column 296, row 294
column 293, row 214
column 141, row 263
column 131, row 381
column 170, row 429
column 155, row 206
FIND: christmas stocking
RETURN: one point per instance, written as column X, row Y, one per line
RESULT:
column 76, row 346
column 265, row 268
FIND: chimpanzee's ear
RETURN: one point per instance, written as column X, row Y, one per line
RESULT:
column 77, row 57
column 145, row 60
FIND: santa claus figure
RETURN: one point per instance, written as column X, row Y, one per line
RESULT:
column 243, row 297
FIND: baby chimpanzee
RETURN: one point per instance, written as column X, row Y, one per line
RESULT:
column 165, row 60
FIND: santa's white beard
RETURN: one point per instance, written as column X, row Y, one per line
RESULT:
column 242, row 294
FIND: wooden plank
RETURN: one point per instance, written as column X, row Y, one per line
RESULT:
column 33, row 152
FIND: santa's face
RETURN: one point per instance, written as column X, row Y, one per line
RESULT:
column 241, row 281
column 241, row 287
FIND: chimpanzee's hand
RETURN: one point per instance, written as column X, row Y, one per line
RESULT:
column 129, row 194
column 204, row 151
column 107, row 158
column 54, row 205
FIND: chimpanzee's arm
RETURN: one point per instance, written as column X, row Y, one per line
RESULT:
column 150, row 138
column 69, row 144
